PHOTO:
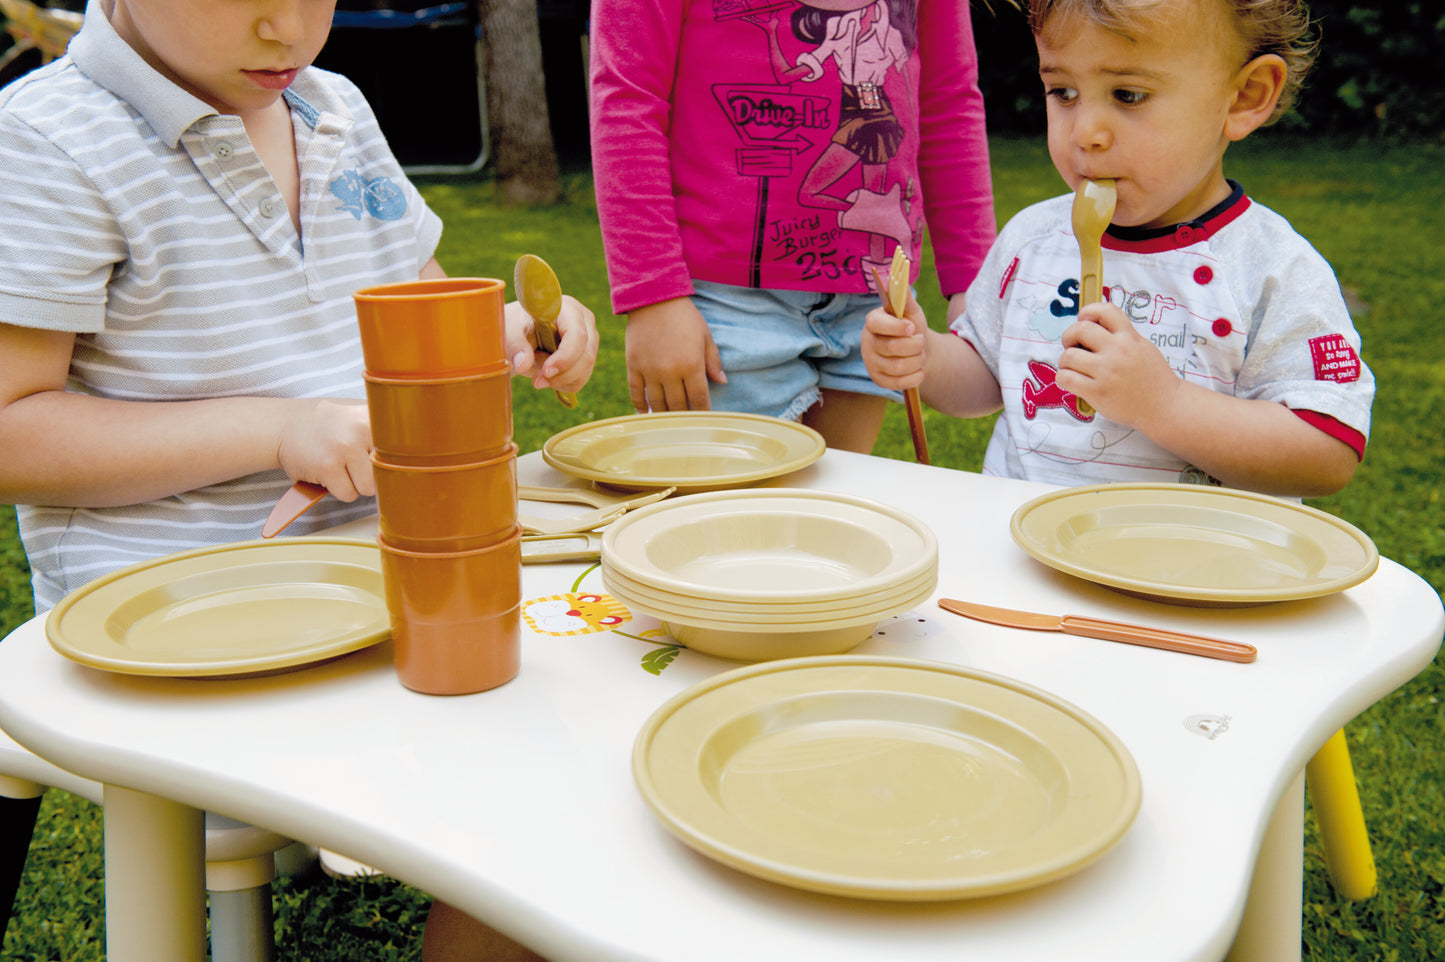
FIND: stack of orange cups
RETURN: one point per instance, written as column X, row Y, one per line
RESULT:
column 438, row 388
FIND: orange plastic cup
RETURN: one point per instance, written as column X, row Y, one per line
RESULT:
column 435, row 328
column 447, row 507
column 440, row 420
column 455, row 616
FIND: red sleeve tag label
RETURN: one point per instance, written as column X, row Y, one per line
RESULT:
column 1334, row 359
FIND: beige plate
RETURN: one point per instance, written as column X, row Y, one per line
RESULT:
column 689, row 450
column 1194, row 545
column 248, row 608
column 777, row 545
column 885, row 778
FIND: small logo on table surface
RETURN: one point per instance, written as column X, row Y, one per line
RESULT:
column 1207, row 726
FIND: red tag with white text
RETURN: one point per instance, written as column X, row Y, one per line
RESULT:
column 1334, row 359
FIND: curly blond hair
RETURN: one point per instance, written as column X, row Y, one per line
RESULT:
column 1279, row 27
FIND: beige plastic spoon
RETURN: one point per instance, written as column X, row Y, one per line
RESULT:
column 1093, row 210
column 537, row 288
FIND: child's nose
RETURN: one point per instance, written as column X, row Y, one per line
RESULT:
column 282, row 22
column 1091, row 128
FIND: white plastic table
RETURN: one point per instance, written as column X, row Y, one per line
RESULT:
column 518, row 804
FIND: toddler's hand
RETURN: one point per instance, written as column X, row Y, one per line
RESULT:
column 577, row 342
column 327, row 441
column 1109, row 364
column 895, row 348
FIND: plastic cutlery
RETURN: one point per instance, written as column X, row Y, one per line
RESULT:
column 1106, row 630
column 297, row 500
column 1094, row 202
column 895, row 299
column 541, row 296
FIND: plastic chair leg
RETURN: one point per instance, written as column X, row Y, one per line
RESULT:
column 241, row 924
column 17, row 825
column 1335, row 797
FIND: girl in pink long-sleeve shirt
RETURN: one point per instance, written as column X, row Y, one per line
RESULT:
column 755, row 160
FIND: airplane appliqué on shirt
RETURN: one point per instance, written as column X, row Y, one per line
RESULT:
column 1041, row 391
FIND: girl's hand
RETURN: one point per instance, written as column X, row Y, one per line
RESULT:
column 671, row 357
column 327, row 441
column 1109, row 364
column 895, row 348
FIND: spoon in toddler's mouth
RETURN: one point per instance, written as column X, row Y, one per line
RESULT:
column 1094, row 202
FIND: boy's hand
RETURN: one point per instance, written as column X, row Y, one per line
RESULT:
column 895, row 348
column 1109, row 364
column 328, row 442
column 671, row 358
column 569, row 368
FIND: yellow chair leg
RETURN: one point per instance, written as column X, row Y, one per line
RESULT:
column 1335, row 798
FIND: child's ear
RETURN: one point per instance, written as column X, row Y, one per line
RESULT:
column 1257, row 87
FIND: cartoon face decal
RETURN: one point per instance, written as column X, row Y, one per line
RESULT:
column 574, row 614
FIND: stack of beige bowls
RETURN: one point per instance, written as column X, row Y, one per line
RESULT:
column 438, row 387
column 769, row 572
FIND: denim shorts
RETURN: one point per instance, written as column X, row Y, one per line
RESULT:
column 780, row 348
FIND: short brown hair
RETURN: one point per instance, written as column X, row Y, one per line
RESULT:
column 1280, row 27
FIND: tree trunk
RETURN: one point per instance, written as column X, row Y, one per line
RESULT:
column 519, row 128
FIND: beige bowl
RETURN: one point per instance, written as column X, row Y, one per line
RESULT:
column 760, row 638
column 802, row 613
column 768, row 645
column 770, row 545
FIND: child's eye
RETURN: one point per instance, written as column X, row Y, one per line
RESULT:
column 1130, row 98
column 1063, row 95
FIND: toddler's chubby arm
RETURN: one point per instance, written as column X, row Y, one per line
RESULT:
column 66, row 448
column 1254, row 444
column 902, row 352
column 671, row 357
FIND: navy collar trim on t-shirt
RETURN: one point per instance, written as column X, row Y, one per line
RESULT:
column 1152, row 240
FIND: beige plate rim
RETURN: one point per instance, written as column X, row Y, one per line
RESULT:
column 1290, row 514
column 805, row 446
column 99, row 598
column 667, row 769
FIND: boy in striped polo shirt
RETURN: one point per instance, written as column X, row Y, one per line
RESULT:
column 186, row 210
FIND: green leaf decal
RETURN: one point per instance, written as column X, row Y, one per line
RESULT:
column 659, row 658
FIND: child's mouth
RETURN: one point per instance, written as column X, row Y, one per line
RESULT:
column 272, row 79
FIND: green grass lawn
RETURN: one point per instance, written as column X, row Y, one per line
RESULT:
column 1372, row 211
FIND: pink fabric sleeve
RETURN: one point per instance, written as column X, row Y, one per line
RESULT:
column 953, row 151
column 634, row 46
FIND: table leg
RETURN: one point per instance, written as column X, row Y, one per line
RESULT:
column 1273, row 915
column 155, row 892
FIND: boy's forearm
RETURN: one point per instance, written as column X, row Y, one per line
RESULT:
column 81, row 451
column 956, row 382
column 1252, row 444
